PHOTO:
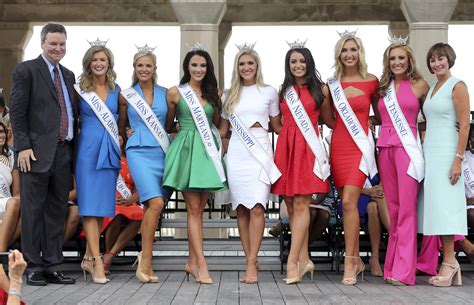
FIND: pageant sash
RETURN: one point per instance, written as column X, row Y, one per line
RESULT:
column 203, row 127
column 412, row 145
column 4, row 188
column 272, row 173
column 148, row 116
column 364, row 142
column 122, row 188
column 468, row 175
column 102, row 112
column 321, row 164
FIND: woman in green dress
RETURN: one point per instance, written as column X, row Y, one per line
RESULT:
column 191, row 167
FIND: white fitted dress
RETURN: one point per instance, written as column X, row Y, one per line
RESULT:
column 243, row 171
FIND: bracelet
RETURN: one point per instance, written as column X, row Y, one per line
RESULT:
column 12, row 292
column 20, row 281
column 460, row 156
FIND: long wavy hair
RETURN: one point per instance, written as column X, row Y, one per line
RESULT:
column 312, row 77
column 4, row 151
column 209, row 82
column 136, row 57
column 339, row 66
column 412, row 72
column 233, row 94
column 85, row 79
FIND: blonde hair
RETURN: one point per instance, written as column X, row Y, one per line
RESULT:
column 136, row 57
column 85, row 79
column 233, row 94
column 412, row 72
column 339, row 66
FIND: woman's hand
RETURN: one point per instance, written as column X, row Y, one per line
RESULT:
column 455, row 172
column 16, row 266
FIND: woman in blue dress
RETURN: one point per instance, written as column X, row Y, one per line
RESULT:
column 146, row 157
column 98, row 156
column 442, row 208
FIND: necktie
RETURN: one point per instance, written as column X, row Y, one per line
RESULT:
column 63, row 125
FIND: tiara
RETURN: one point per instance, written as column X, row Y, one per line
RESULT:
column 196, row 47
column 347, row 34
column 246, row 47
column 398, row 40
column 98, row 43
column 145, row 49
column 297, row 44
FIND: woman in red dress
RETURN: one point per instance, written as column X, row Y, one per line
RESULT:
column 295, row 159
column 360, row 89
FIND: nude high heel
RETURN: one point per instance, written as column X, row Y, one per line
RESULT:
column 454, row 278
column 87, row 266
column 353, row 280
column 308, row 268
column 252, row 280
column 142, row 277
column 294, row 280
column 188, row 271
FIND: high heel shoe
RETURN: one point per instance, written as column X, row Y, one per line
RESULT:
column 294, row 280
column 454, row 278
column 188, row 271
column 207, row 281
column 142, row 277
column 86, row 268
column 308, row 268
column 376, row 274
column 353, row 280
column 251, row 280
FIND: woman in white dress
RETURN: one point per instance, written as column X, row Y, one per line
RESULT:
column 9, row 194
column 254, row 103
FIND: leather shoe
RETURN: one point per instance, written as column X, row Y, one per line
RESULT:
column 35, row 278
column 57, row 277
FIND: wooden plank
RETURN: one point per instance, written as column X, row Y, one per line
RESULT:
column 86, row 289
column 248, row 293
column 169, row 288
column 208, row 293
column 127, row 290
column 291, row 293
column 187, row 292
column 107, row 290
column 269, row 292
column 379, row 290
column 147, row 291
column 330, row 289
column 63, row 292
column 311, row 291
column 228, row 288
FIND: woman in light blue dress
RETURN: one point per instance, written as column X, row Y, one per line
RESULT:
column 442, row 208
column 98, row 156
column 146, row 158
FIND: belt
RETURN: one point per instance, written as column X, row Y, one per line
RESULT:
column 62, row 143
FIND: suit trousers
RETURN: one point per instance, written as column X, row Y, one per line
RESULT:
column 401, row 193
column 44, row 199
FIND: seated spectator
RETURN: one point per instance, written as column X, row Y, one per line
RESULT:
column 4, row 112
column 128, row 217
column 9, row 195
column 72, row 216
column 319, row 214
column 373, row 212
column 12, row 282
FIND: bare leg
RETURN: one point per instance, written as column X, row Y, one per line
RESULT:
column 374, row 234
column 350, row 198
column 256, row 226
column 92, row 226
column 319, row 225
column 112, row 232
column 448, row 254
column 243, row 221
column 384, row 215
column 9, row 223
column 72, row 221
column 148, row 229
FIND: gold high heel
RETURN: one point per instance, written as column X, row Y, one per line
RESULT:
column 90, row 269
column 294, row 280
column 142, row 277
column 308, row 268
column 353, row 280
column 188, row 271
column 454, row 278
column 252, row 280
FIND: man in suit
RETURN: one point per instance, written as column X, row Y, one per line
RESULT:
column 43, row 111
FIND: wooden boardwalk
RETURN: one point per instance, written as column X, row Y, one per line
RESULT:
column 174, row 289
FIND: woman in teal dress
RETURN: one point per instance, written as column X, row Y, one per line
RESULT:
column 98, row 156
column 145, row 156
column 188, row 167
column 442, row 208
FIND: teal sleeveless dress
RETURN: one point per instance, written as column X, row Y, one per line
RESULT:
column 188, row 167
column 442, row 206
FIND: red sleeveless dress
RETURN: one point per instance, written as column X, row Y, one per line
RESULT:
column 345, row 156
column 294, row 158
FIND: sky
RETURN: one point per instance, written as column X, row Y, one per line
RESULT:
column 320, row 40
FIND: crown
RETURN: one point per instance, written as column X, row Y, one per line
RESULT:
column 145, row 49
column 347, row 34
column 245, row 47
column 196, row 47
column 398, row 40
column 297, row 44
column 98, row 43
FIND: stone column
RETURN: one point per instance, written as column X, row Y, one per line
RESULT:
column 225, row 32
column 428, row 24
column 200, row 21
column 13, row 39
